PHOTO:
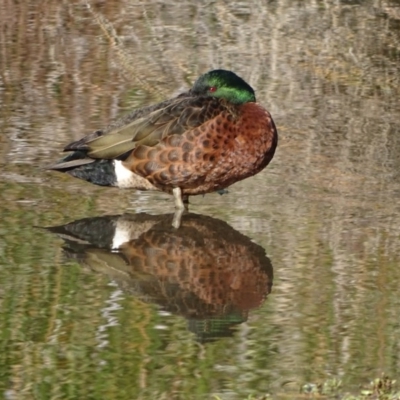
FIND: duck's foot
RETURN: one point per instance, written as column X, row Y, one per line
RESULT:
column 181, row 200
column 181, row 205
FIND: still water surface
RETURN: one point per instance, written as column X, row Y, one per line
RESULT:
column 292, row 277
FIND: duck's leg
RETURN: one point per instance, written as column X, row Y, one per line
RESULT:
column 181, row 205
column 177, row 192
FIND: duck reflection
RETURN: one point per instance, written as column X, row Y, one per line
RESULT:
column 205, row 271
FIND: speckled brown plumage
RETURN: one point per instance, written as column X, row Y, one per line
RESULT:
column 233, row 143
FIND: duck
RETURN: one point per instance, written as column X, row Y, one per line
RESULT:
column 201, row 141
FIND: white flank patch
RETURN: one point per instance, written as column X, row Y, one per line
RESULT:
column 124, row 176
column 127, row 179
column 121, row 236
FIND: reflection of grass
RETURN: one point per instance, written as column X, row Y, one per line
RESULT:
column 382, row 388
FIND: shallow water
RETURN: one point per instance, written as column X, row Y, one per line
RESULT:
column 290, row 278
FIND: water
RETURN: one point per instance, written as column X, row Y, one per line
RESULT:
column 290, row 278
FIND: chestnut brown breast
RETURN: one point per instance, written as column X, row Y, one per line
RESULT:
column 237, row 143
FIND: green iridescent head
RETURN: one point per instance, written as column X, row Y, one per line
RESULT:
column 224, row 84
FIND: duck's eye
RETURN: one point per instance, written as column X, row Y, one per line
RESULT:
column 212, row 89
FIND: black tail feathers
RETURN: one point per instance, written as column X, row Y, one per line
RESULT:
column 77, row 164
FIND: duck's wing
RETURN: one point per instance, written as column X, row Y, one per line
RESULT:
column 118, row 123
column 174, row 118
